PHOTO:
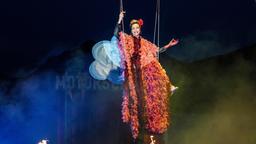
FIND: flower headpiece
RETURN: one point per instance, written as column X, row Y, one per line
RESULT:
column 139, row 22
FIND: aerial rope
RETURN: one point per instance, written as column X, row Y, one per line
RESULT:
column 122, row 9
column 157, row 26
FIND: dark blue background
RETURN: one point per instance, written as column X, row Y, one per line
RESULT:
column 29, row 30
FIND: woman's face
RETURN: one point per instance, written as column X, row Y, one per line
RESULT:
column 135, row 30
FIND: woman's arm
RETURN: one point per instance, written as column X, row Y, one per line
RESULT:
column 118, row 25
column 162, row 49
column 117, row 29
column 172, row 43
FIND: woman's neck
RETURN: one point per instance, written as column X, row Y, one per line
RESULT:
column 138, row 36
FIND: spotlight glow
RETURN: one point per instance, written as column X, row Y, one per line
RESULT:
column 152, row 140
column 43, row 142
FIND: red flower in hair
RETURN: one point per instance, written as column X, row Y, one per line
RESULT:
column 140, row 21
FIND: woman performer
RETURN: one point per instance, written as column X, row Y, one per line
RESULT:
column 132, row 61
column 146, row 86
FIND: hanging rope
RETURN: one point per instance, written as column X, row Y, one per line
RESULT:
column 158, row 38
column 157, row 26
column 154, row 39
column 122, row 9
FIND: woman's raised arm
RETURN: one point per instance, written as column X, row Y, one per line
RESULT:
column 173, row 42
column 118, row 25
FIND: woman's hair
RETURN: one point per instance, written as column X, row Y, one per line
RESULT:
column 134, row 21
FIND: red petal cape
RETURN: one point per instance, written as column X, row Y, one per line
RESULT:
column 156, row 88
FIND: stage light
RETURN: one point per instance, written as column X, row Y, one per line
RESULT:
column 152, row 140
column 43, row 142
